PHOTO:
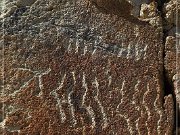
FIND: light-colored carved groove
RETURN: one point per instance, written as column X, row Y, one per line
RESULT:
column 74, row 78
column 121, row 51
column 86, row 88
column 105, row 120
column 88, row 108
column 94, row 51
column 59, row 101
column 109, row 81
column 70, row 102
column 138, row 51
column 137, row 126
column 25, row 85
column 92, row 114
column 130, row 126
column 3, row 123
column 72, row 108
column 146, row 107
column 70, row 46
column 77, row 46
column 135, row 49
column 144, row 51
column 108, row 68
column 130, row 51
column 37, row 74
column 85, row 50
column 144, row 102
column 128, row 123
column 134, row 98
column 122, row 94
column 40, row 80
column 28, row 115
column 26, row 69
column 136, row 105
column 83, row 128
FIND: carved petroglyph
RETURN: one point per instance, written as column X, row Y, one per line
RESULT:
column 122, row 94
column 37, row 74
column 99, row 113
column 71, row 106
column 85, row 50
column 77, row 46
column 110, row 81
column 88, row 108
column 137, row 126
column 94, row 51
column 59, row 101
column 135, row 95
column 147, row 109
column 101, row 78
column 132, row 127
column 81, row 37
column 96, row 84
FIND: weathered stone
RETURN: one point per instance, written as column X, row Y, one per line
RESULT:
column 22, row 3
column 172, row 47
column 72, row 69
column 170, row 56
column 171, row 10
column 137, row 6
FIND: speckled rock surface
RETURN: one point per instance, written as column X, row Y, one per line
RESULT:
column 70, row 68
column 172, row 46
column 172, row 13
column 170, row 56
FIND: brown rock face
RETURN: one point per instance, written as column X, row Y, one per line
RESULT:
column 69, row 70
column 172, row 46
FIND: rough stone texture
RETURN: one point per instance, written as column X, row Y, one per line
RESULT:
column 172, row 13
column 172, row 45
column 172, row 48
column 73, row 68
column 150, row 13
column 170, row 56
column 171, row 64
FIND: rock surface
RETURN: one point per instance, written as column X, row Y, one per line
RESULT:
column 171, row 11
column 78, row 68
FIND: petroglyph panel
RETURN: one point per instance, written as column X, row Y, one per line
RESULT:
column 72, row 70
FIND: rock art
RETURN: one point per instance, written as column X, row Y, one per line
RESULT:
column 78, row 68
